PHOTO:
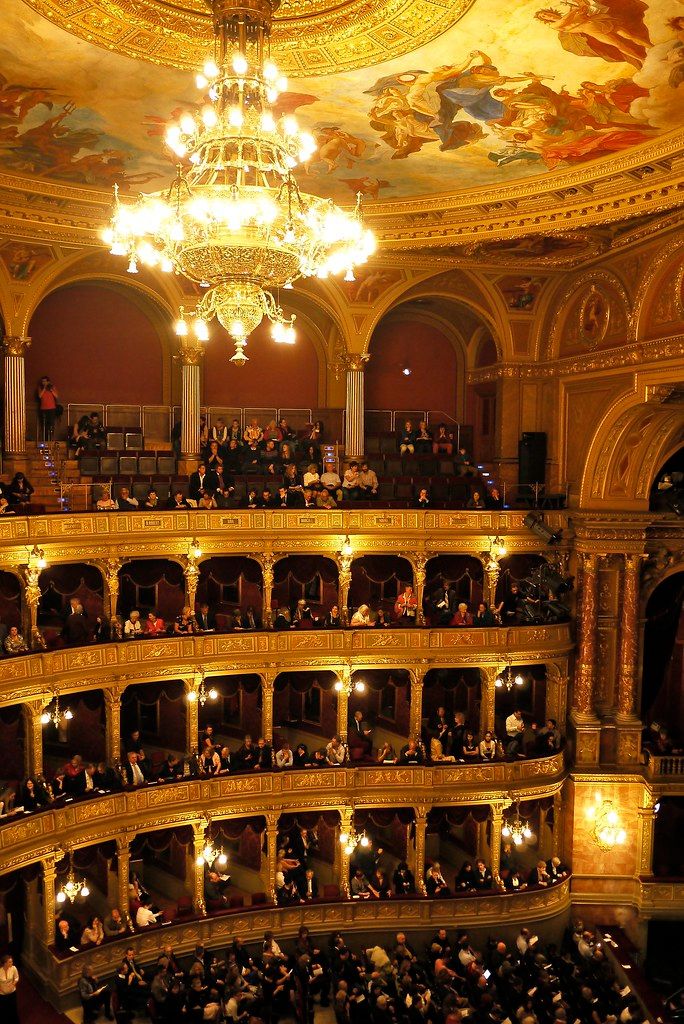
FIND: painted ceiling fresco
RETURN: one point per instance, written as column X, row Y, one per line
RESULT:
column 510, row 91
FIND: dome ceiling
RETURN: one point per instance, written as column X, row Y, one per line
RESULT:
column 406, row 98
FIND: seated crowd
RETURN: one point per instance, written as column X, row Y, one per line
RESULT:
column 441, row 609
column 444, row 740
column 441, row 982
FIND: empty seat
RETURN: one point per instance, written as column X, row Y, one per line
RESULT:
column 394, row 466
column 386, row 490
column 140, row 489
column 446, row 467
column 115, row 440
column 147, row 464
column 128, row 464
column 404, row 490
column 89, row 465
column 163, row 489
column 412, row 466
column 439, row 490
column 388, row 444
column 166, row 464
column 372, row 444
column 109, row 465
column 134, row 440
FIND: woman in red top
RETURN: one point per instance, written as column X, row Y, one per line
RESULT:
column 47, row 403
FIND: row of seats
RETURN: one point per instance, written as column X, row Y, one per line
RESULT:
column 113, row 465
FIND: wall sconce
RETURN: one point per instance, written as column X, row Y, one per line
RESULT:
column 606, row 831
column 37, row 558
column 517, row 830
column 195, row 548
column 497, row 548
column 73, row 887
column 347, row 550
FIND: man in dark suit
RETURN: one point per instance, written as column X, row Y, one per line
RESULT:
column 443, row 602
column 205, row 619
column 76, row 630
column 84, row 782
column 201, row 482
column 360, row 734
column 308, row 886
column 177, row 500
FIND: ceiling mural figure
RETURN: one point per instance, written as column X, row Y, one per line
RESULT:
column 507, row 92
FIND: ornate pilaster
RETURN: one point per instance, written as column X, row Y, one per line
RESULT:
column 31, row 598
column 191, row 714
column 268, row 675
column 646, row 816
column 49, row 903
column 267, row 562
column 421, row 813
column 189, row 358
column 557, row 832
column 343, row 702
column 587, row 729
column 492, row 570
column 33, row 736
column 557, row 691
column 346, row 819
column 495, row 837
column 191, row 576
column 419, row 563
column 110, row 569
column 487, row 702
column 354, row 427
column 14, row 418
column 112, row 703
column 272, row 819
column 628, row 725
column 123, row 871
column 344, row 564
column 198, row 843
column 416, row 701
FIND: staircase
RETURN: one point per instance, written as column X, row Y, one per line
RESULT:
column 42, row 467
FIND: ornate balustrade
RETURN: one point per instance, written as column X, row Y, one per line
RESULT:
column 26, row 677
column 61, row 976
column 668, row 766
column 28, row 838
column 89, row 535
column 662, row 897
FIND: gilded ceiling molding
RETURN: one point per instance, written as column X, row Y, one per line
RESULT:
column 653, row 280
column 310, row 37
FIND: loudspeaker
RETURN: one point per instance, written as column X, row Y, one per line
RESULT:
column 532, row 458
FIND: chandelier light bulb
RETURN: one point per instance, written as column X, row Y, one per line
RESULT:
column 68, row 714
column 85, row 892
column 344, row 838
column 201, row 330
column 60, row 897
column 213, row 693
column 222, row 860
column 360, row 687
column 270, row 71
column 201, row 81
column 240, row 65
column 267, row 122
column 181, row 328
column 211, row 69
column 199, row 861
column 132, row 265
column 518, row 840
column 44, row 718
column 364, row 841
column 187, row 124
column 519, row 680
column 166, row 265
column 191, row 696
column 209, row 119
column 505, row 831
column 349, row 849
column 349, row 276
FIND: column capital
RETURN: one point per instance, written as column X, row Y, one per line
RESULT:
column 268, row 675
column 190, row 353
column 421, row 811
column 15, row 344
column 355, row 360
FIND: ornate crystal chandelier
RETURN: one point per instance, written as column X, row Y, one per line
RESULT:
column 72, row 888
column 234, row 220
column 508, row 680
column 56, row 715
column 350, row 840
column 517, row 830
column 202, row 694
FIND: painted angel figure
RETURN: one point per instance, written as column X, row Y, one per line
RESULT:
column 613, row 29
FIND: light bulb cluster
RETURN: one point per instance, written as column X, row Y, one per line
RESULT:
column 210, row 856
column 509, row 680
column 56, row 715
column 350, row 840
column 72, row 888
column 234, row 220
column 358, row 687
column 607, row 830
column 517, row 830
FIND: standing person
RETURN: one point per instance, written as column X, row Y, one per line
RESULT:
column 9, row 979
column 47, row 404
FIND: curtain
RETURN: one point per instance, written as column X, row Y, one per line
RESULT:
column 383, row 817
column 381, row 568
column 232, row 828
column 303, row 568
column 308, row 819
column 229, row 570
column 453, row 569
column 65, row 580
column 162, row 839
column 301, row 682
column 440, row 817
column 150, row 693
column 148, row 572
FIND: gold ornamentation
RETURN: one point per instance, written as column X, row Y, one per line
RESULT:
column 13, row 345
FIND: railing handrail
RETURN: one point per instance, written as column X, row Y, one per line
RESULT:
column 665, row 764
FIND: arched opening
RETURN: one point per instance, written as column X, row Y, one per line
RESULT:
column 235, row 713
column 662, row 688
column 151, row 584
column 377, row 581
column 667, row 489
column 379, row 715
column 451, row 580
column 448, row 692
column 312, row 579
column 229, row 586
column 274, row 377
column 65, row 589
column 82, row 335
column 156, row 711
column 308, row 840
column 304, row 711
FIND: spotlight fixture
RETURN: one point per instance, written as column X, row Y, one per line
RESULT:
column 539, row 528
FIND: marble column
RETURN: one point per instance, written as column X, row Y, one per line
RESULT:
column 198, row 867
column 14, row 416
column 112, row 703
column 33, row 736
column 628, row 724
column 421, row 812
column 587, row 728
column 123, row 871
column 189, row 357
column 354, row 421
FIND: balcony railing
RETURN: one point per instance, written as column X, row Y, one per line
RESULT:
column 218, row 930
column 669, row 765
column 25, row 677
column 27, row 838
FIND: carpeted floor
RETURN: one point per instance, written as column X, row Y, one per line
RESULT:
column 33, row 1009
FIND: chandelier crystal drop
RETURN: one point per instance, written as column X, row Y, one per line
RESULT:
column 234, row 221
